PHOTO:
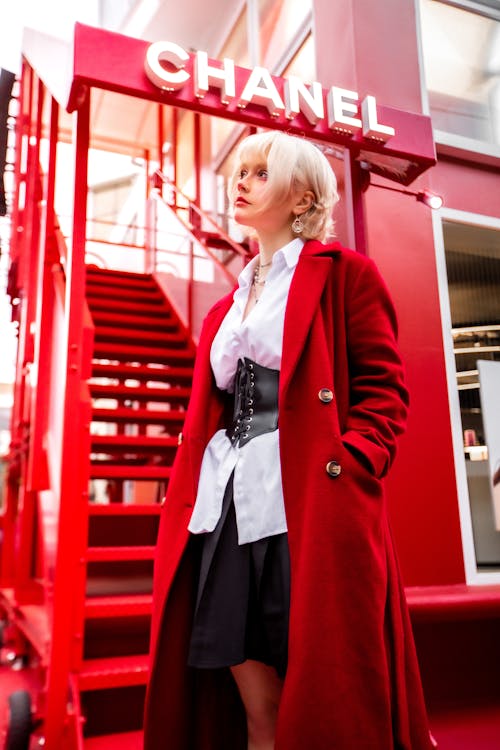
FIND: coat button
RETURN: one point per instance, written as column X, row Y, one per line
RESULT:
column 325, row 395
column 180, row 438
column 333, row 468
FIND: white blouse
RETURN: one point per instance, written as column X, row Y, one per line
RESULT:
column 258, row 494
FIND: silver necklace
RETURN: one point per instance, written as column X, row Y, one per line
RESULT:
column 257, row 281
column 256, row 276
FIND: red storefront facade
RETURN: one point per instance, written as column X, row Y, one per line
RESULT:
column 364, row 52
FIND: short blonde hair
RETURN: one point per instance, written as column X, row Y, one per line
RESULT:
column 293, row 162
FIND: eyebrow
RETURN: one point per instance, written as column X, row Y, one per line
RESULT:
column 257, row 165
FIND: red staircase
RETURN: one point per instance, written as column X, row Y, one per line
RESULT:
column 140, row 386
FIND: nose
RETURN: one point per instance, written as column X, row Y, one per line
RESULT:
column 241, row 185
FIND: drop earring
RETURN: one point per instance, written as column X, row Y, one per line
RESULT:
column 297, row 225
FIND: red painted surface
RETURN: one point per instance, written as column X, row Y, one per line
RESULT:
column 69, row 573
column 397, row 232
column 477, row 729
column 466, row 186
column 424, row 506
column 368, row 45
column 116, row 62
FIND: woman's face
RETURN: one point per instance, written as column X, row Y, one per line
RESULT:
column 251, row 205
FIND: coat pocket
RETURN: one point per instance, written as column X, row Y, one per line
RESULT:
column 358, row 467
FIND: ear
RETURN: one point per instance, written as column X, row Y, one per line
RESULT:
column 304, row 202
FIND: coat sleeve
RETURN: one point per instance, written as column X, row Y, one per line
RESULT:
column 378, row 401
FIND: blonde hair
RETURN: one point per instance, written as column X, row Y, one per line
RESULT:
column 293, row 162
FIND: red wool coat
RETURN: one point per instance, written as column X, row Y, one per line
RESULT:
column 352, row 681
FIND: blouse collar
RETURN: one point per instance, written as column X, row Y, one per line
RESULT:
column 288, row 254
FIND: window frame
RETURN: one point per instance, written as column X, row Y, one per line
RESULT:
column 481, row 7
column 289, row 52
column 448, row 143
column 473, row 575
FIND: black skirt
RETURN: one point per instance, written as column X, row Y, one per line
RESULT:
column 243, row 601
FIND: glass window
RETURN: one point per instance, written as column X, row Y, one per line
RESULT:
column 279, row 23
column 112, row 13
column 303, row 63
column 286, row 48
column 236, row 46
column 108, row 200
column 462, row 69
column 473, row 269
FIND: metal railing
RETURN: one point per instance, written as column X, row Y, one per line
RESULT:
column 201, row 233
column 161, row 179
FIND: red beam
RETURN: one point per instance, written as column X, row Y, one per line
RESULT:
column 115, row 62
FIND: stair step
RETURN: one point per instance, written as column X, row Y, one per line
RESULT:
column 120, row 741
column 114, row 554
column 100, row 607
column 124, row 582
column 164, row 323
column 173, row 417
column 140, row 393
column 146, row 353
column 113, row 672
column 95, row 272
column 143, row 373
column 118, row 471
column 153, row 297
column 125, row 282
column 98, row 285
column 152, row 307
column 140, row 337
column 120, row 509
column 103, row 443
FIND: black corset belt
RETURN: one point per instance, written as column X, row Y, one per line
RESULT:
column 255, row 404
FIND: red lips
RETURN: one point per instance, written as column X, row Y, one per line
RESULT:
column 241, row 201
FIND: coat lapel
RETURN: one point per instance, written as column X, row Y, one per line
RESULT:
column 306, row 288
column 307, row 285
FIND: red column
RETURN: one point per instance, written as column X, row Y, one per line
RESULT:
column 373, row 48
column 69, row 581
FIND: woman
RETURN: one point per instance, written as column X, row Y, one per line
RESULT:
column 279, row 619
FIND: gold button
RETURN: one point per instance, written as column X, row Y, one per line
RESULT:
column 325, row 395
column 180, row 438
column 333, row 468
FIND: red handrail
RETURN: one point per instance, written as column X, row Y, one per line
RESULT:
column 235, row 246
column 197, row 240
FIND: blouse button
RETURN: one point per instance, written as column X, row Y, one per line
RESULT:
column 325, row 395
column 333, row 469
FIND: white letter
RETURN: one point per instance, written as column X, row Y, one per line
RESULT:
column 338, row 107
column 312, row 100
column 371, row 127
column 172, row 54
column 206, row 75
column 266, row 94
